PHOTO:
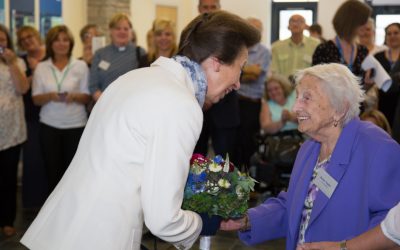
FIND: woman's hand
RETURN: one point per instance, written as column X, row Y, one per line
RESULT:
column 286, row 116
column 319, row 246
column 232, row 225
column 32, row 63
column 9, row 56
column 96, row 95
column 368, row 79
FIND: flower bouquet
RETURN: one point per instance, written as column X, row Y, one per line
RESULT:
column 215, row 187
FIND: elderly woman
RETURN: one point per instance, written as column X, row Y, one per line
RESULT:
column 345, row 178
column 132, row 163
column 13, row 84
column 276, row 113
column 34, row 188
column 116, row 59
column 60, row 87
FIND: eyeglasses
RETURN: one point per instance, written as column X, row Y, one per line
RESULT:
column 28, row 37
column 88, row 35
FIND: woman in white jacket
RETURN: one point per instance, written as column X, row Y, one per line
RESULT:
column 133, row 158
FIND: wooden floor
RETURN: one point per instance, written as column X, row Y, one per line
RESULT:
column 222, row 241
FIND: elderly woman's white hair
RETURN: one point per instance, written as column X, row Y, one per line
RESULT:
column 340, row 85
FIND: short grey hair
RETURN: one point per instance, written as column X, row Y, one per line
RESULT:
column 342, row 87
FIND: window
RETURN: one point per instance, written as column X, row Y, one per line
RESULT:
column 282, row 11
column 284, row 16
column 2, row 14
column 382, row 21
column 50, row 15
column 384, row 14
column 21, row 13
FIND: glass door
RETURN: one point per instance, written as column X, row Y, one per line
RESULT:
column 50, row 15
column 2, row 13
column 22, row 12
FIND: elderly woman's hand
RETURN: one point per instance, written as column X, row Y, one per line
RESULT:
column 232, row 225
column 319, row 246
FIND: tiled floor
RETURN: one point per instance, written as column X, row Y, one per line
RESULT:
column 222, row 241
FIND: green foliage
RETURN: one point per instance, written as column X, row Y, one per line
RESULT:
column 217, row 187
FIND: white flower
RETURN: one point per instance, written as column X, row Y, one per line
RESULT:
column 226, row 165
column 214, row 167
column 224, row 183
column 239, row 191
column 197, row 169
column 213, row 190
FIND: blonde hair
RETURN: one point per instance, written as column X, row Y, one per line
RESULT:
column 159, row 25
column 27, row 29
column 118, row 18
column 379, row 117
column 282, row 81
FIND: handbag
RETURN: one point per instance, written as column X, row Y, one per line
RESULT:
column 280, row 149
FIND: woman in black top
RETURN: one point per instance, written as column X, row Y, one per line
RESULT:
column 34, row 188
column 388, row 101
column 349, row 18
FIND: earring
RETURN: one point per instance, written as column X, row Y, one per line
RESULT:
column 335, row 123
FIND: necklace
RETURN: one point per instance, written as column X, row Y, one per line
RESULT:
column 327, row 159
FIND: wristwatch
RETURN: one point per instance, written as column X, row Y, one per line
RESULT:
column 343, row 245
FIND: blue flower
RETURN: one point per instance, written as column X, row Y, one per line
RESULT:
column 196, row 183
column 218, row 159
column 198, row 187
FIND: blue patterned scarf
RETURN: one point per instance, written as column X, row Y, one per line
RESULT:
column 197, row 75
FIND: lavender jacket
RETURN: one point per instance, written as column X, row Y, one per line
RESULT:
column 366, row 165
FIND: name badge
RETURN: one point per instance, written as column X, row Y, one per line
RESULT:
column 325, row 183
column 104, row 65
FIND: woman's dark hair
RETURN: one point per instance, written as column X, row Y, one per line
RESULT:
column 220, row 34
column 315, row 28
column 52, row 35
column 350, row 15
column 9, row 42
column 83, row 32
column 387, row 29
column 392, row 24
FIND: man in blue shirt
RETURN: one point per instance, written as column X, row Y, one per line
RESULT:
column 250, row 93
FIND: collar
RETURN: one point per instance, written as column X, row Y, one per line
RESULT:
column 291, row 43
column 122, row 48
column 254, row 48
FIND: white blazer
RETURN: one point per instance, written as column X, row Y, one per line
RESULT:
column 130, row 167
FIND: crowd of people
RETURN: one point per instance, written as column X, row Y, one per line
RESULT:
column 311, row 84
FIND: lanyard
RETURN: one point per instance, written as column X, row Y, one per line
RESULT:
column 350, row 65
column 59, row 82
column 392, row 63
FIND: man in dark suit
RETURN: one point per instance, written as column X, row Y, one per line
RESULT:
column 221, row 120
